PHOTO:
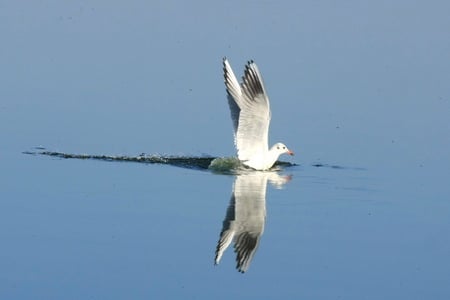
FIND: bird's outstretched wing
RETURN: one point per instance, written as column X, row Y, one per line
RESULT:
column 250, row 110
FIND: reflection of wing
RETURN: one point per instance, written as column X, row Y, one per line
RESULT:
column 245, row 218
column 245, row 248
column 227, row 234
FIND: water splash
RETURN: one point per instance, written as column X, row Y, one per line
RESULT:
column 224, row 165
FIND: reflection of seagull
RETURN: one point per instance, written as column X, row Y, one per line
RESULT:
column 250, row 111
column 246, row 215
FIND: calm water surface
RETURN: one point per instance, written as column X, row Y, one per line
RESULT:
column 359, row 91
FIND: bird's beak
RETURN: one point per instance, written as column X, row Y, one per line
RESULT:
column 290, row 152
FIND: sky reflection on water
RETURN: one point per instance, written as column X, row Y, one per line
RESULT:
column 362, row 86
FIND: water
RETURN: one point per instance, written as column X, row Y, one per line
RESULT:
column 359, row 91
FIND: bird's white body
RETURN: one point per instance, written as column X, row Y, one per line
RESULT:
column 250, row 112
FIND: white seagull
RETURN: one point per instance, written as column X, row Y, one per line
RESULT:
column 250, row 112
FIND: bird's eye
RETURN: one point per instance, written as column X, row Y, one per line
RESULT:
column 284, row 147
column 278, row 147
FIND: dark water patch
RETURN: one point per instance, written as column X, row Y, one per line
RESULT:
column 321, row 165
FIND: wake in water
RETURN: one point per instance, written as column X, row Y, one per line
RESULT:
column 226, row 165
column 223, row 165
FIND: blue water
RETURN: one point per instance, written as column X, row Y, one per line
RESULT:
column 359, row 91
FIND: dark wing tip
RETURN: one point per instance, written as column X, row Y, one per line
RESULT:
column 224, row 68
column 225, row 74
column 252, row 80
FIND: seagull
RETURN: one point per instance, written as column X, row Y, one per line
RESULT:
column 250, row 113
